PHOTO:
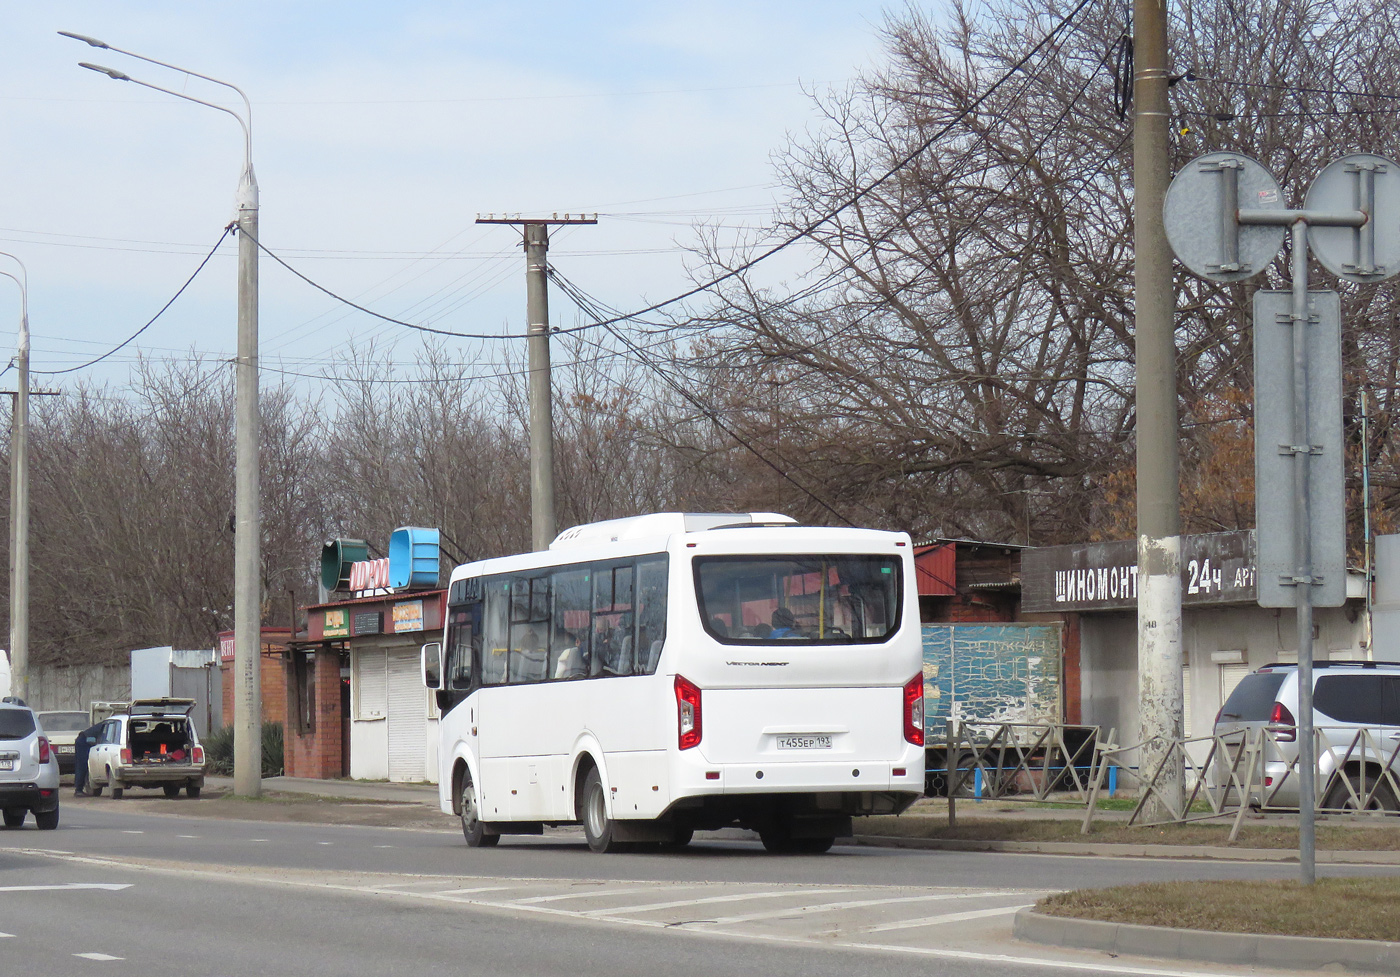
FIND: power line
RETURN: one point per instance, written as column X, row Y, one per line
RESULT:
column 150, row 322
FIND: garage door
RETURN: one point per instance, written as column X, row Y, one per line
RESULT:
column 407, row 718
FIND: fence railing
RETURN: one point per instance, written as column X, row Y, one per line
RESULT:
column 1017, row 761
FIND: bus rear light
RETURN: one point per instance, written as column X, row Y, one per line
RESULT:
column 43, row 749
column 898, row 771
column 711, row 774
column 914, row 710
column 688, row 728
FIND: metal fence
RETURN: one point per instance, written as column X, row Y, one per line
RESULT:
column 1016, row 761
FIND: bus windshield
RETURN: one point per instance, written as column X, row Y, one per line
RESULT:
column 799, row 600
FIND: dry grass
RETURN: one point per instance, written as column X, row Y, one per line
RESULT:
column 1354, row 909
column 1329, row 837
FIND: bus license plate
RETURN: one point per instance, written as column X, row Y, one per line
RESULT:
column 6, row 763
column 820, row 741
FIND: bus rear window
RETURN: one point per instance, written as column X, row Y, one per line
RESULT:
column 799, row 600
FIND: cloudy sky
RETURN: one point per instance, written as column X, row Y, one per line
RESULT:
column 380, row 131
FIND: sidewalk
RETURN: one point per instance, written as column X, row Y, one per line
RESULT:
column 355, row 790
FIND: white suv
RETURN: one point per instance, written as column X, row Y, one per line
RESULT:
column 28, row 768
column 1356, row 715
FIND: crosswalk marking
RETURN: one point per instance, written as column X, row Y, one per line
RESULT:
column 480, row 888
column 594, row 893
column 905, row 924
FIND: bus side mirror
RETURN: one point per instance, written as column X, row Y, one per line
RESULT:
column 432, row 664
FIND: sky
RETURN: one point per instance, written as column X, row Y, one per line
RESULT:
column 380, row 132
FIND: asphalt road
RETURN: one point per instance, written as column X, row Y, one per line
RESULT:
column 196, row 896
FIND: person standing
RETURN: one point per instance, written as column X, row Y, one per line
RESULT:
column 82, row 746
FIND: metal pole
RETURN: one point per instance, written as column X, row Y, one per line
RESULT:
column 247, row 582
column 1159, row 541
column 1366, row 518
column 19, row 514
column 1302, row 570
column 541, row 417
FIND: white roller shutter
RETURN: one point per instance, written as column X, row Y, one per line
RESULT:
column 371, row 684
column 407, row 727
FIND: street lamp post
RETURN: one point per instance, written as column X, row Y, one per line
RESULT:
column 19, row 497
column 247, row 591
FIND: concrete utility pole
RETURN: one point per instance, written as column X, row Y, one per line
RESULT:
column 19, row 499
column 1158, row 485
column 247, row 582
column 536, row 229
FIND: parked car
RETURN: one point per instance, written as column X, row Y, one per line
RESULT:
column 28, row 768
column 1348, row 698
column 62, row 729
column 153, row 743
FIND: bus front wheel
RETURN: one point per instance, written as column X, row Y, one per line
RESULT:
column 472, row 828
column 597, row 826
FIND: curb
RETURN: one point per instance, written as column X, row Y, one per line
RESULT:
column 1288, row 952
column 1203, row 852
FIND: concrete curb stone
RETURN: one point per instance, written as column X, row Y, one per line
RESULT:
column 1291, row 952
column 1132, row 851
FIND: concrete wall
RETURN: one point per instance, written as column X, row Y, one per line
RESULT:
column 77, row 686
column 315, row 753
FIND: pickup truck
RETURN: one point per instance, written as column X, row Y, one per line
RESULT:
column 151, row 743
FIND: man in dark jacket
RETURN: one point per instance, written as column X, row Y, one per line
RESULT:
column 81, row 747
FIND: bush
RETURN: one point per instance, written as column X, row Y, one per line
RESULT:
column 218, row 751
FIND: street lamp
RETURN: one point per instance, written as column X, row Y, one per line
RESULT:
column 19, row 497
column 247, row 595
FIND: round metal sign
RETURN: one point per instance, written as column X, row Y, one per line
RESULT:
column 1201, row 216
column 1369, row 184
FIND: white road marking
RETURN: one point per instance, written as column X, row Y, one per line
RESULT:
column 852, row 904
column 736, row 897
column 187, row 836
column 480, row 888
column 257, row 839
column 109, row 886
column 905, row 924
column 7, row 936
column 590, row 893
column 128, row 831
column 325, row 842
column 383, row 846
column 98, row 956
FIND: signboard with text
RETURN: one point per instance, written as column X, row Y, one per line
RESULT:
column 1216, row 568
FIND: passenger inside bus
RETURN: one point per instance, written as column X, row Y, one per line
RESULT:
column 569, row 660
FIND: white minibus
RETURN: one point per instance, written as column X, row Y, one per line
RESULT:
column 653, row 676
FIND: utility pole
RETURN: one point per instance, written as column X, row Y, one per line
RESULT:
column 536, row 239
column 19, row 500
column 1158, row 483
column 247, row 542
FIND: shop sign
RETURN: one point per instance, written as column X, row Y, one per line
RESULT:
column 408, row 616
column 1216, row 568
column 370, row 575
column 369, row 622
column 226, row 647
column 337, row 624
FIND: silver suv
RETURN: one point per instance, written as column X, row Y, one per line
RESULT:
column 28, row 768
column 1356, row 716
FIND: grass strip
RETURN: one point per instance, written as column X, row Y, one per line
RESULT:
column 1329, row 837
column 1351, row 908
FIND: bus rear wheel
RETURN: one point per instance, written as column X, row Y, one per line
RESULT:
column 597, row 826
column 472, row 828
column 779, row 841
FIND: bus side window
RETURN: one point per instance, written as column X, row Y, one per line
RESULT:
column 568, row 646
column 651, row 614
column 529, row 629
column 613, row 621
column 495, row 630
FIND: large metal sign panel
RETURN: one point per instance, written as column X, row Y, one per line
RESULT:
column 1216, row 568
column 1371, row 184
column 1273, row 438
column 991, row 673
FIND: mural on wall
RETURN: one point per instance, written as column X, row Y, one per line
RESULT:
column 991, row 673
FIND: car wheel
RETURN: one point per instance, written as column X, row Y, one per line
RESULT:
column 117, row 793
column 14, row 816
column 597, row 826
column 171, row 790
column 95, row 789
column 192, row 789
column 680, row 837
column 472, row 827
column 47, row 821
column 1340, row 799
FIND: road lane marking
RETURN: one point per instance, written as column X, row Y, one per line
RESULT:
column 325, row 842
column 7, row 936
column 109, row 886
column 129, row 831
column 98, row 956
column 905, row 924
column 480, row 888
column 736, row 897
column 851, row 904
column 187, row 836
column 590, row 893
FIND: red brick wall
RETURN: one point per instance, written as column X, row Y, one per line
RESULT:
column 316, row 753
column 274, row 685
